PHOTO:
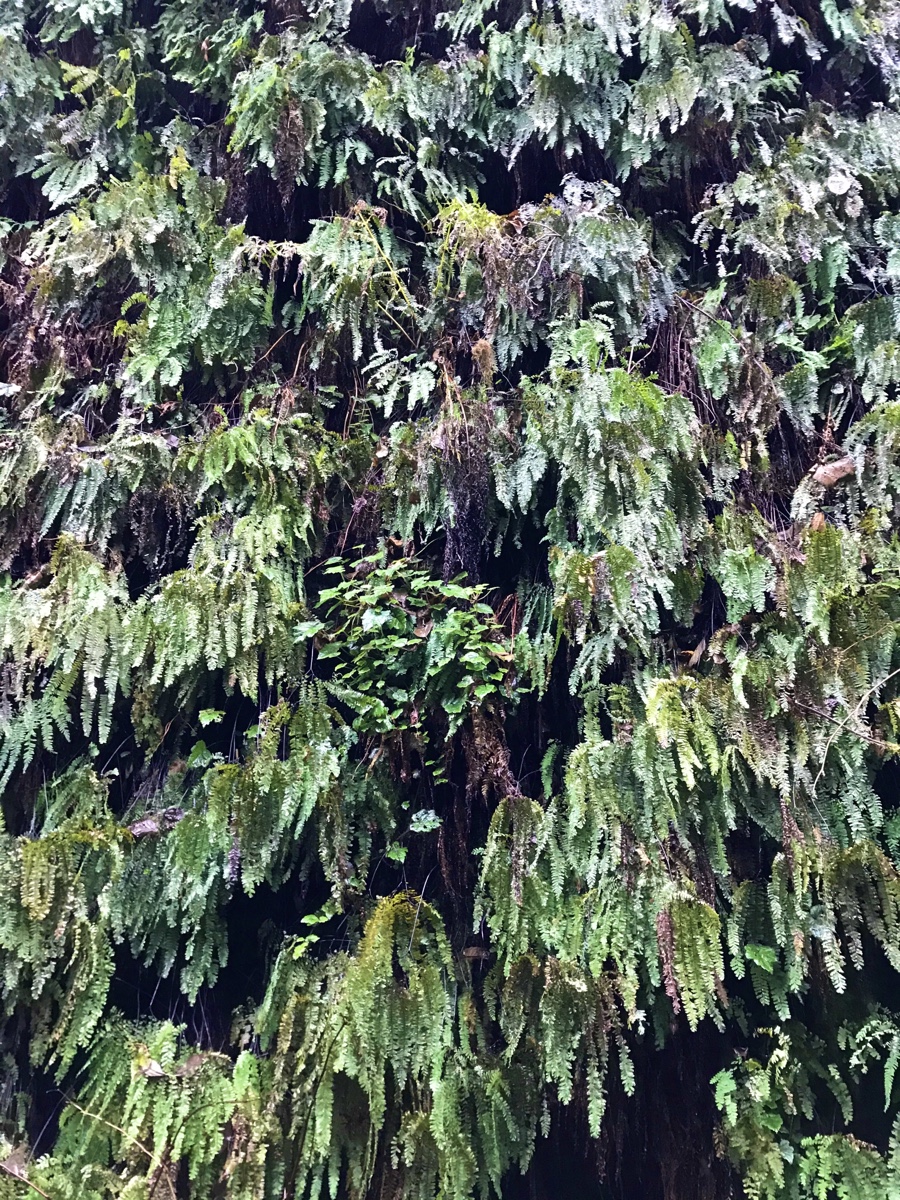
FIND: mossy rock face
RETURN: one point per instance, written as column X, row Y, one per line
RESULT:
column 449, row 600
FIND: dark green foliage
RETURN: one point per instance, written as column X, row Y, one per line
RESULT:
column 449, row 599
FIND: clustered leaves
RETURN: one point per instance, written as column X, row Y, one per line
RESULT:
column 449, row 598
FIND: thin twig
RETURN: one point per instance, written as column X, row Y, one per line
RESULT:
column 401, row 287
column 300, row 1143
column 863, row 700
column 390, row 316
column 272, row 347
column 418, row 910
column 866, row 737
column 709, row 316
column 22, row 1179
column 157, row 1162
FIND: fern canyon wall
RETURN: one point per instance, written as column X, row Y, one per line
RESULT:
column 450, row 599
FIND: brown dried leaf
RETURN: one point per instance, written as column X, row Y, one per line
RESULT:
column 829, row 474
column 698, row 653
